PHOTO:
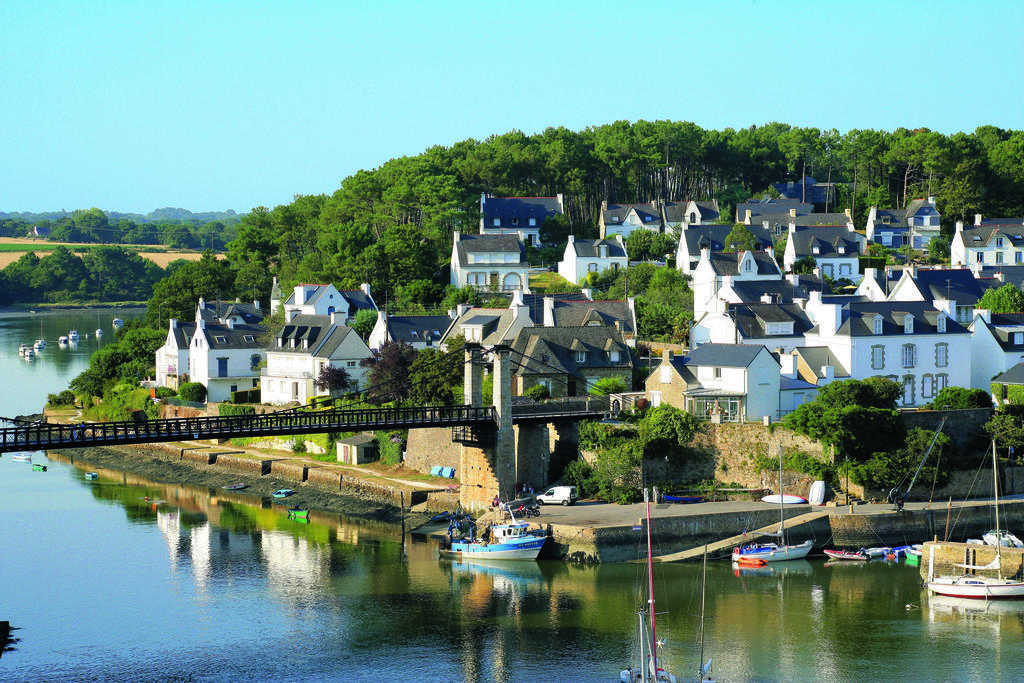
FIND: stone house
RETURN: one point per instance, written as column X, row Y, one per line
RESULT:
column 569, row 360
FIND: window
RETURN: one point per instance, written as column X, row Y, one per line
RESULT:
column 666, row 374
column 248, row 338
column 1018, row 257
column 940, row 324
column 748, row 265
column 533, row 221
column 999, row 242
column 1018, row 338
column 941, row 381
column 254, row 361
column 515, row 220
column 999, row 257
column 878, row 324
column 592, row 267
column 234, row 388
column 816, row 250
column 220, row 339
column 581, row 356
column 877, row 357
column 909, row 355
column 716, row 373
column 927, row 386
column 693, row 216
column 980, row 257
column 222, row 367
column 908, row 324
column 613, row 356
column 350, row 363
column 844, row 268
column 827, row 269
column 941, row 355
column 842, row 249
column 496, row 223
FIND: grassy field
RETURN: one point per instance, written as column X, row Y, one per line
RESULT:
column 541, row 283
column 13, row 248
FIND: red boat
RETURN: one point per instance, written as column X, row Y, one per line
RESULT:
column 745, row 561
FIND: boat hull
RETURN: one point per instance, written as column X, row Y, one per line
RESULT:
column 527, row 550
column 772, row 552
column 977, row 588
column 847, row 556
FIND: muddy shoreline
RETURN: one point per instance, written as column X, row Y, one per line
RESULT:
column 163, row 466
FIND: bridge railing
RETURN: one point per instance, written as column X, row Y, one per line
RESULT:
column 178, row 429
column 570, row 405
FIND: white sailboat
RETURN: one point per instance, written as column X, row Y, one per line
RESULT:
column 648, row 668
column 981, row 587
column 774, row 552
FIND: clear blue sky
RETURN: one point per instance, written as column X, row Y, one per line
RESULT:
column 211, row 105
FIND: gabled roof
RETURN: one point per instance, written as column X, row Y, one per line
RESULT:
column 592, row 248
column 590, row 313
column 828, row 240
column 988, row 233
column 552, row 350
column 535, row 303
column 812, row 219
column 224, row 338
column 412, row 329
column 1002, row 222
column 488, row 244
column 521, row 208
column 724, row 355
column 958, row 284
column 859, row 319
column 495, row 323
column 183, row 333
column 728, row 262
column 322, row 336
column 1014, row 375
column 1003, row 328
column 781, row 291
column 766, row 205
column 222, row 310
column 647, row 212
column 752, row 320
column 713, row 237
column 817, row 357
column 675, row 212
column 921, row 207
column 1007, row 274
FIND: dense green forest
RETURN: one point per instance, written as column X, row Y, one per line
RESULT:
column 174, row 228
column 392, row 226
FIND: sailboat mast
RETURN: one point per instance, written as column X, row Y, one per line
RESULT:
column 995, row 488
column 703, row 581
column 650, row 586
column 782, row 505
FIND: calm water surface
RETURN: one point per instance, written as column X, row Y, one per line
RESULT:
column 121, row 579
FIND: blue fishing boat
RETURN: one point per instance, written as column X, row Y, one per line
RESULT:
column 513, row 540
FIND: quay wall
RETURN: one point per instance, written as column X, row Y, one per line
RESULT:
column 941, row 559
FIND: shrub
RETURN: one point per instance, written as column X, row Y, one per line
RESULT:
column 165, row 392
column 64, row 398
column 538, row 392
column 580, row 474
column 299, row 445
column 192, row 391
column 227, row 409
column 390, row 446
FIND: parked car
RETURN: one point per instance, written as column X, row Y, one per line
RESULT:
column 559, row 495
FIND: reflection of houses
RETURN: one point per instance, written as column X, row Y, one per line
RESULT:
column 490, row 262
column 720, row 382
column 569, row 360
column 303, row 347
column 583, row 257
column 520, row 216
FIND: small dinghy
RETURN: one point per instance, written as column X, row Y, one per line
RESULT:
column 22, row 457
column 91, row 475
column 235, row 487
column 848, row 555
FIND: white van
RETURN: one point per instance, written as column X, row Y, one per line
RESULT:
column 565, row 495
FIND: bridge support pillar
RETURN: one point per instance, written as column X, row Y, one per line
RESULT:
column 489, row 471
column 532, row 454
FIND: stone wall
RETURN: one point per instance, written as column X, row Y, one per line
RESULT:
column 293, row 470
column 428, row 448
column 963, row 427
column 532, row 454
column 735, row 447
column 232, row 463
column 326, row 478
column 943, row 559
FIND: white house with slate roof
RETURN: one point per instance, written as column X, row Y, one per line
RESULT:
column 989, row 242
column 835, row 248
column 695, row 238
column 916, row 224
column 225, row 357
column 693, row 212
column 725, row 382
column 714, row 267
column 490, row 262
column 912, row 343
column 955, row 290
column 172, row 357
column 624, row 219
column 521, row 216
column 583, row 257
column 311, row 299
column 780, row 327
column 302, row 348
column 418, row 331
column 997, row 344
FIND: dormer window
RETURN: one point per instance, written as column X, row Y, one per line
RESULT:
column 615, row 219
column 908, row 324
column 603, row 251
column 533, row 221
column 815, row 250
column 497, row 222
column 280, row 342
column 305, row 343
column 941, row 324
column 515, row 220
column 248, row 338
column 693, row 216
column 613, row 356
column 842, row 249
column 1018, row 338
column 878, row 324
column 748, row 265
column 220, row 339
column 581, row 356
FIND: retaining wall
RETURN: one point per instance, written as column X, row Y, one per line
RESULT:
column 431, row 447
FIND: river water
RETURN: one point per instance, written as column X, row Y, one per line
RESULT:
column 119, row 579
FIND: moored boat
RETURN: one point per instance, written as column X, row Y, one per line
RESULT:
column 62, row 340
column 73, row 336
column 29, row 353
column 282, row 493
column 117, row 323
column 1006, row 539
column 99, row 331
column 235, row 487
column 38, row 468
column 848, row 555
column 39, row 345
column 22, row 457
column 682, row 499
column 91, row 475
column 513, row 540
column 781, row 551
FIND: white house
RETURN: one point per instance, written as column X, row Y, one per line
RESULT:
column 692, row 212
column 302, row 348
column 912, row 343
column 520, row 216
column 172, row 357
column 915, row 225
column 495, row 262
column 726, row 382
column 997, row 344
column 583, row 257
column 714, row 268
column 418, row 331
column 225, row 357
column 695, row 238
column 956, row 290
column 989, row 242
column 835, row 248
column 624, row 219
column 780, row 327
column 312, row 299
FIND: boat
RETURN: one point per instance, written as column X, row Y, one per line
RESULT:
column 62, row 340
column 282, row 493
column 91, row 475
column 976, row 586
column 1006, row 539
column 682, row 499
column 39, row 345
column 235, row 487
column 29, row 353
column 513, row 540
column 877, row 552
column 117, row 323
column 647, row 667
column 781, row 551
column 22, row 457
column 816, row 496
column 38, row 468
column 99, row 331
column 848, row 555
column 73, row 336
column 784, row 499
column 749, row 561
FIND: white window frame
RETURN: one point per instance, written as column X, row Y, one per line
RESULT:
column 878, row 357
column 909, row 355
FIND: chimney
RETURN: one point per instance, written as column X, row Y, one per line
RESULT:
column 290, row 315
column 456, row 236
column 300, row 295
column 366, row 289
column 766, row 298
column 666, row 355
column 462, row 308
column 792, row 213
column 977, row 219
column 173, row 322
column 519, row 309
column 747, row 218
column 849, row 213
column 984, row 314
column 549, row 311
column 334, row 319
column 256, row 304
column 959, row 226
column 588, row 293
column 931, row 200
column 788, row 363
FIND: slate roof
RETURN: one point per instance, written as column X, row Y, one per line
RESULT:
column 489, row 244
column 1002, row 222
column 1003, row 326
column 897, row 219
column 986, row 235
column 858, row 319
column 1009, row 274
column 782, row 291
column 885, row 278
column 324, row 337
column 828, row 240
column 723, row 355
column 183, row 334
column 921, row 207
column 713, row 237
column 591, row 248
column 822, row 219
column 958, row 284
column 765, row 205
column 752, row 320
column 728, row 262
column 222, row 337
column 1014, row 375
column 222, row 310
column 522, row 208
column 675, row 212
column 414, row 329
column 495, row 323
column 358, row 300
column 353, row 300
column 791, row 384
column 552, row 350
column 535, row 303
column 589, row 313
column 648, row 212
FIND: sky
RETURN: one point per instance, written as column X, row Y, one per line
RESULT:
column 212, row 105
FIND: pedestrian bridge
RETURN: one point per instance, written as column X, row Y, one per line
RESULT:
column 479, row 421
